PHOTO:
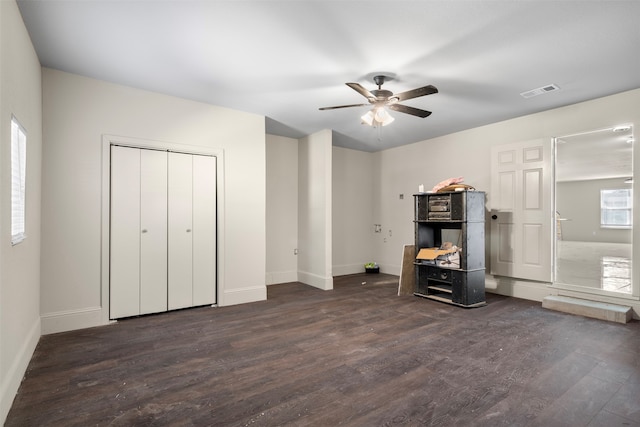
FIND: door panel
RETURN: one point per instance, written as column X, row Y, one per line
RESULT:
column 521, row 224
column 507, row 184
column 204, row 230
column 153, row 233
column 505, row 242
column 531, row 252
column 180, row 226
column 532, row 189
column 124, row 268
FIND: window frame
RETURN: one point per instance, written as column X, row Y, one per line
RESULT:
column 18, row 181
column 609, row 209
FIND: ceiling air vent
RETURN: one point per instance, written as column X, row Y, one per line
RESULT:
column 539, row 91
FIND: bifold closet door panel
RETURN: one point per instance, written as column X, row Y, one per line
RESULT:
column 153, row 231
column 180, row 226
column 204, row 230
column 124, row 268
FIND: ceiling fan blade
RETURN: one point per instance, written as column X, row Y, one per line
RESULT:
column 409, row 110
column 427, row 90
column 362, row 91
column 342, row 106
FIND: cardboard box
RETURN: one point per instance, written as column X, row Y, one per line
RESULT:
column 440, row 257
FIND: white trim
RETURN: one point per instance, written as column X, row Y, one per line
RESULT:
column 622, row 298
column 245, row 295
column 324, row 283
column 525, row 289
column 107, row 141
column 70, row 320
column 10, row 383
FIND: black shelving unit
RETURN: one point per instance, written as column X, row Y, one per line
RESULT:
column 456, row 217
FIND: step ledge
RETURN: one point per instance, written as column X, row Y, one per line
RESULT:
column 594, row 309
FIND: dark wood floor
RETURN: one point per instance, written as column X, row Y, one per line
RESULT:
column 355, row 356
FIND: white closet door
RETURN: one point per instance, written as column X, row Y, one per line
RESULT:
column 180, row 223
column 125, row 232
column 204, row 230
column 153, row 232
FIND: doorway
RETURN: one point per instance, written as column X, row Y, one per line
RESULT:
column 594, row 211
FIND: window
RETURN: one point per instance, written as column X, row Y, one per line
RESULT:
column 18, row 179
column 616, row 208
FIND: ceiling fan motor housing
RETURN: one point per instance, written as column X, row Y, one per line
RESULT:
column 379, row 80
column 381, row 95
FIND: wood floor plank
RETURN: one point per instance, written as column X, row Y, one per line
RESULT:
column 359, row 355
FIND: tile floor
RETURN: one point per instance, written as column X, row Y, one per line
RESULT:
column 598, row 265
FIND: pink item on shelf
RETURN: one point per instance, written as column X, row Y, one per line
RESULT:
column 446, row 182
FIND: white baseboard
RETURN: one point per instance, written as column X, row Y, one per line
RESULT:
column 11, row 382
column 70, row 320
column 276, row 277
column 320, row 282
column 534, row 291
column 244, row 295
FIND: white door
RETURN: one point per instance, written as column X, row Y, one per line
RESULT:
column 204, row 230
column 163, row 231
column 153, row 231
column 180, row 225
column 521, row 210
column 138, row 247
column 124, row 267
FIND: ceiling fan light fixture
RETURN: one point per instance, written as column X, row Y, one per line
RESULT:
column 367, row 119
column 377, row 117
column 383, row 117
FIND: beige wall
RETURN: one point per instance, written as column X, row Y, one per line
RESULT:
column 314, row 210
column 282, row 209
column 351, row 195
column 77, row 112
column 353, row 234
column 467, row 153
column 20, row 95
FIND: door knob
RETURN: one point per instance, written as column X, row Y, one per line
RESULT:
column 494, row 216
column 188, row 230
column 144, row 231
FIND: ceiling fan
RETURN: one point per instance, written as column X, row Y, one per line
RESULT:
column 380, row 98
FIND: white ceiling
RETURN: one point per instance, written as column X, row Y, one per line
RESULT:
column 285, row 59
column 598, row 154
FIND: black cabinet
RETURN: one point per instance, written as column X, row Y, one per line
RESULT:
column 458, row 218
